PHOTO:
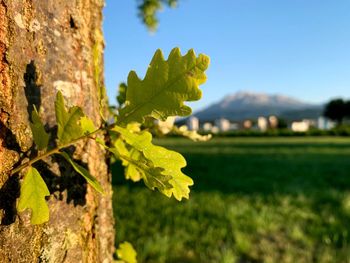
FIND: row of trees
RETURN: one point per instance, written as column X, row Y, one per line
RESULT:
column 337, row 110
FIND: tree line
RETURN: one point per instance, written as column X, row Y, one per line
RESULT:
column 337, row 110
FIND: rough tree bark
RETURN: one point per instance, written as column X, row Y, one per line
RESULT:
column 46, row 46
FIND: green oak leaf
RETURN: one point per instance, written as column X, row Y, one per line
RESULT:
column 138, row 167
column 67, row 121
column 126, row 253
column 123, row 151
column 132, row 172
column 87, row 125
column 169, row 161
column 33, row 192
column 85, row 173
column 135, row 174
column 165, row 88
column 40, row 136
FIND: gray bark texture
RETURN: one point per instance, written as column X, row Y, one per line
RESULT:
column 47, row 46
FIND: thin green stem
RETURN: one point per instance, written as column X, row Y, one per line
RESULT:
column 57, row 149
column 32, row 161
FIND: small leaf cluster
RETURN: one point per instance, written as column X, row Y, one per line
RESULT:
column 148, row 10
column 72, row 125
column 159, row 96
column 162, row 94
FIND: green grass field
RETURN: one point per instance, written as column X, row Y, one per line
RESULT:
column 254, row 200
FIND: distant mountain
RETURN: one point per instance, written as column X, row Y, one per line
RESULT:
column 249, row 105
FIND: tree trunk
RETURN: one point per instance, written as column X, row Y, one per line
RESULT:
column 46, row 46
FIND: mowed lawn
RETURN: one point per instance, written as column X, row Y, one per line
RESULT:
column 254, row 200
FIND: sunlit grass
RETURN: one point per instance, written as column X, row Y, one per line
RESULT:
column 254, row 200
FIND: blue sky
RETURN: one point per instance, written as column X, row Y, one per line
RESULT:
column 299, row 48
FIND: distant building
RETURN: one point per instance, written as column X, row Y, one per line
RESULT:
column 247, row 124
column 207, row 127
column 311, row 122
column 223, row 124
column 262, row 124
column 273, row 122
column 215, row 129
column 325, row 123
column 193, row 123
column 300, row 126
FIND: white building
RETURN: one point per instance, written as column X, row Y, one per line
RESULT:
column 273, row 122
column 207, row 126
column 193, row 123
column 223, row 124
column 325, row 123
column 262, row 124
column 300, row 126
column 247, row 124
column 215, row 129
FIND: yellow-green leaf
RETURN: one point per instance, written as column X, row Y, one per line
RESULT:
column 126, row 252
column 170, row 162
column 165, row 88
column 87, row 125
column 137, row 167
column 33, row 192
column 121, row 149
column 67, row 121
column 40, row 136
column 85, row 173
